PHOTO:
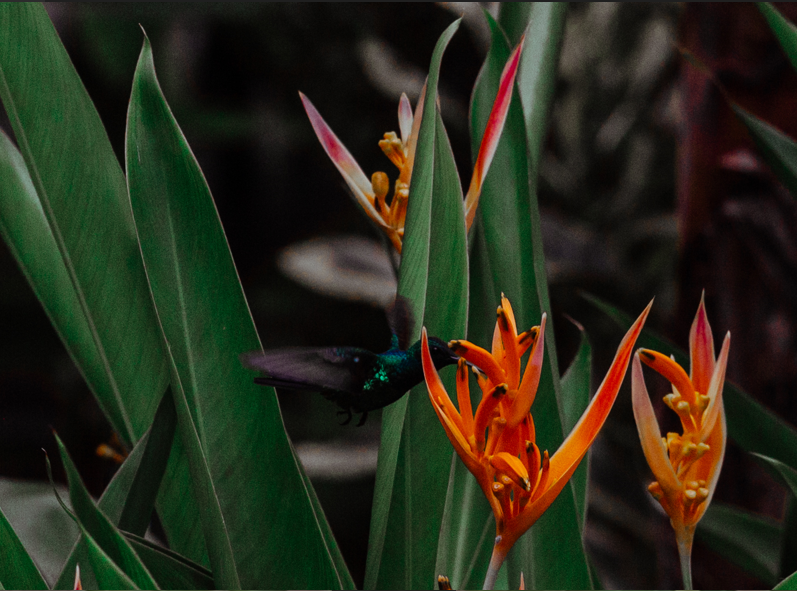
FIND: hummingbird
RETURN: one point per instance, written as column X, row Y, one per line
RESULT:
column 356, row 379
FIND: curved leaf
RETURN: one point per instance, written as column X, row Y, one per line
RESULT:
column 128, row 499
column 747, row 540
column 17, row 570
column 72, row 233
column 784, row 30
column 778, row 149
column 98, row 528
column 243, row 467
column 168, row 568
column 414, row 454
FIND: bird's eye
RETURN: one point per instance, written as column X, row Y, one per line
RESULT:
column 356, row 360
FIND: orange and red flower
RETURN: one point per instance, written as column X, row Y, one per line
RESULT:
column 372, row 194
column 686, row 467
column 497, row 443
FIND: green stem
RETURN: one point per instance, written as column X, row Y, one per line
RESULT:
column 496, row 560
column 684, row 538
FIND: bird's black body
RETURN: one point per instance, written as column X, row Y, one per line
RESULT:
column 356, row 379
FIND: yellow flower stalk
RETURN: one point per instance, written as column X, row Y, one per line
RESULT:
column 686, row 466
column 372, row 194
column 497, row 443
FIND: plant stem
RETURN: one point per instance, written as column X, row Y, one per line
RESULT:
column 496, row 560
column 684, row 538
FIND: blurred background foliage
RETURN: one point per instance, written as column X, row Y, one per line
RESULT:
column 649, row 187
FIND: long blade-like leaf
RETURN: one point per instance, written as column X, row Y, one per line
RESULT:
column 17, row 570
column 169, row 569
column 100, row 529
column 72, row 233
column 749, row 541
column 256, row 508
column 784, row 30
column 415, row 455
column 130, row 496
column 576, row 388
column 778, row 149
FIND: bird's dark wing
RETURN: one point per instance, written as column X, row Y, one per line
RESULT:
column 401, row 320
column 331, row 368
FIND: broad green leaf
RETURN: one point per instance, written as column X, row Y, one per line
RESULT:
column 778, row 149
column 72, row 232
column 551, row 556
column 415, row 455
column 750, row 424
column 17, row 570
column 129, row 498
column 784, row 30
column 749, row 541
column 787, row 584
column 97, row 527
column 576, row 388
column 168, row 568
column 106, row 572
column 255, row 506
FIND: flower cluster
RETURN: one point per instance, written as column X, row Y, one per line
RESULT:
column 686, row 466
column 372, row 194
column 497, row 443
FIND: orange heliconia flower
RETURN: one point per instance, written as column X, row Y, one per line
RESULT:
column 686, row 467
column 497, row 443
column 372, row 194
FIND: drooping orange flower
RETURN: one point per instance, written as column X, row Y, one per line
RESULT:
column 686, row 467
column 497, row 443
column 372, row 194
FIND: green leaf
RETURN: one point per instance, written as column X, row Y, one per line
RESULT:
column 128, row 499
column 778, row 149
column 256, row 510
column 784, row 30
column 576, row 388
column 551, row 556
column 96, row 525
column 747, row 540
column 788, row 584
column 168, row 568
column 69, row 225
column 787, row 474
column 106, row 572
column 17, row 570
column 410, row 493
column 750, row 424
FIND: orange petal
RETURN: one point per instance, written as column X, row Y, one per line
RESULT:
column 531, row 379
column 715, row 387
column 650, row 434
column 497, row 349
column 437, row 396
column 670, row 370
column 352, row 173
column 510, row 313
column 526, row 340
column 569, row 454
column 492, row 133
column 701, row 349
column 708, row 467
column 512, row 467
column 509, row 340
column 436, row 389
column 485, row 412
column 405, row 118
column 463, row 398
column 480, row 358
